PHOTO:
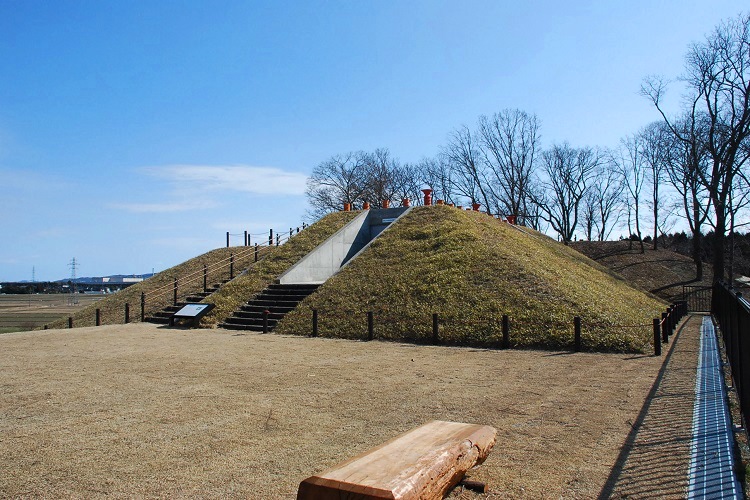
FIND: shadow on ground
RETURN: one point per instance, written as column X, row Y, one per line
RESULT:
column 654, row 460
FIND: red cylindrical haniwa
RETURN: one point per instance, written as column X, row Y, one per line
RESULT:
column 386, row 203
column 475, row 206
column 366, row 205
column 427, row 197
column 441, row 202
column 451, row 204
column 347, row 207
column 512, row 219
column 406, row 202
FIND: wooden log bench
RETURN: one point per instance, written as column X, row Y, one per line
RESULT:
column 423, row 463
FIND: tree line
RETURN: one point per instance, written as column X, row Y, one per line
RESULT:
column 685, row 166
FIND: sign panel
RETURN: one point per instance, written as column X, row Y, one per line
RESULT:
column 193, row 310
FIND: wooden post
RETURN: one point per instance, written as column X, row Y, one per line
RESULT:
column 270, row 237
column 278, row 239
column 577, row 327
column 315, row 323
column 227, row 239
column 664, row 326
column 70, row 322
column 231, row 266
column 370, row 326
column 246, row 239
column 143, row 306
column 127, row 312
column 506, row 331
column 98, row 317
column 174, row 294
column 291, row 231
column 265, row 321
column 205, row 278
column 657, row 339
column 256, row 252
column 435, row 338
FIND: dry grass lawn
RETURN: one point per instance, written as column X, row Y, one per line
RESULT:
column 138, row 410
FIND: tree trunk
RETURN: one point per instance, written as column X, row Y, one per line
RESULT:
column 697, row 255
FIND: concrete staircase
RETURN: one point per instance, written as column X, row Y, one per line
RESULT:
column 277, row 299
column 162, row 317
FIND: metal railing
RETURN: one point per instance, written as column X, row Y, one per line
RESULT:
column 732, row 312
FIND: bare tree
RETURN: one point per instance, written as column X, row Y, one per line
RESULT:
column 463, row 156
column 654, row 144
column 605, row 194
column 568, row 172
column 686, row 160
column 436, row 174
column 509, row 143
column 632, row 169
column 718, row 79
column 335, row 181
column 380, row 172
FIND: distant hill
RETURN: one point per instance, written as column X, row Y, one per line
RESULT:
column 662, row 272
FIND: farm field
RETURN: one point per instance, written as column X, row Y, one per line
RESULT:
column 141, row 410
column 29, row 311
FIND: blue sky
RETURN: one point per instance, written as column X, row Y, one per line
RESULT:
column 134, row 134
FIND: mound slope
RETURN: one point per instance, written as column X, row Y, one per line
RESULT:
column 471, row 269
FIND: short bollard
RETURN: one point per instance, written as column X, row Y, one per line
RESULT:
column 143, row 306
column 506, row 331
column 664, row 328
column 98, row 317
column 370, row 326
column 127, row 313
column 577, row 327
column 70, row 322
column 265, row 320
column 314, row 322
column 435, row 337
column 657, row 338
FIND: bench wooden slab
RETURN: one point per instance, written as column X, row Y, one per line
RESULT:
column 423, row 463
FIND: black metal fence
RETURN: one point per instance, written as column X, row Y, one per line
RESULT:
column 732, row 312
column 698, row 298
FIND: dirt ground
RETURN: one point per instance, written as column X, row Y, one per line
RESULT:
column 29, row 311
column 141, row 410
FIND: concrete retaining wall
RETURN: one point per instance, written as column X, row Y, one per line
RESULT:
column 328, row 257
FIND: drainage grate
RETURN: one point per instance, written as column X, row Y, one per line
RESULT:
column 711, row 462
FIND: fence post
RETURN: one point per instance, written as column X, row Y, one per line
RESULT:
column 657, row 339
column 246, row 240
column 664, row 326
column 98, row 317
column 270, row 237
column 435, row 338
column 143, row 306
column 46, row 327
column 506, row 331
column 205, row 278
column 291, row 231
column 278, row 239
column 315, row 323
column 70, row 322
column 370, row 326
column 231, row 266
column 265, row 321
column 127, row 312
column 577, row 328
column 227, row 239
column 256, row 252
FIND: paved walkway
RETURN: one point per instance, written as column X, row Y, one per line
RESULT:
column 665, row 454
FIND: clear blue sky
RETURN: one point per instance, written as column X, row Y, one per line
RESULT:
column 134, row 134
